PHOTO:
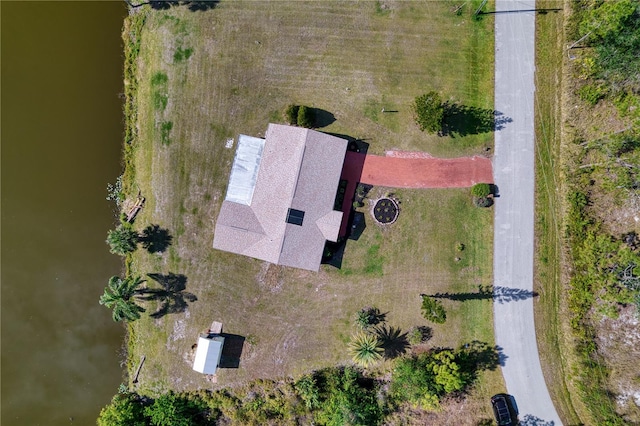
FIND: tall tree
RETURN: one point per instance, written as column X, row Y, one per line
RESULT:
column 428, row 112
column 118, row 295
column 433, row 310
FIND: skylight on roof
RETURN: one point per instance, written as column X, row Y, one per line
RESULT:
column 295, row 217
column 244, row 172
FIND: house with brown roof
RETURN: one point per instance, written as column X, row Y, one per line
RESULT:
column 280, row 197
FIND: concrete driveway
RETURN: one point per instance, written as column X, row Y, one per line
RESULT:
column 513, row 166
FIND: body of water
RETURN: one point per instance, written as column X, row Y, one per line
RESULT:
column 61, row 145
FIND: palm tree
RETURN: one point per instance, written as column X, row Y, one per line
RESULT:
column 365, row 349
column 122, row 240
column 118, row 295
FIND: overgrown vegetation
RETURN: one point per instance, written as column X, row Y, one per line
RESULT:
column 609, row 66
column 132, row 39
column 334, row 396
column 602, row 196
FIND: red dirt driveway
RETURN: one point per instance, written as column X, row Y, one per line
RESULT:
column 416, row 170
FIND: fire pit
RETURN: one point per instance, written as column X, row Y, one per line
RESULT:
column 386, row 211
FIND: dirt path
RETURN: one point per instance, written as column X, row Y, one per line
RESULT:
column 416, row 170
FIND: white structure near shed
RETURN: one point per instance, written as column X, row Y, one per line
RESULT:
column 208, row 354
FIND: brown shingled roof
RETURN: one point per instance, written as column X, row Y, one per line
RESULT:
column 299, row 169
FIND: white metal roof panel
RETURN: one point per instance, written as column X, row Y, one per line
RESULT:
column 208, row 354
column 244, row 171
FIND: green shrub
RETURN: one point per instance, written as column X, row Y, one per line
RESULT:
column 308, row 390
column 368, row 317
column 482, row 202
column 291, row 114
column 428, row 112
column 418, row 335
column 165, row 131
column 481, row 190
column 346, row 400
column 433, row 310
column 306, row 117
column 182, row 54
column 159, row 79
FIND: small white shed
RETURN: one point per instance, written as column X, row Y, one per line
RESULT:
column 208, row 354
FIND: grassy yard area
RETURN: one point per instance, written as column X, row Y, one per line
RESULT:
column 206, row 76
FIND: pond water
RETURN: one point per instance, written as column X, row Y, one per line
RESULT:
column 61, row 145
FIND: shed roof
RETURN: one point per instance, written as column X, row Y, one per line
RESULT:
column 298, row 170
column 208, row 354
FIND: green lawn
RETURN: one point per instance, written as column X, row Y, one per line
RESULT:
column 233, row 69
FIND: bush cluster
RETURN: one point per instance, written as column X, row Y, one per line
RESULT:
column 300, row 115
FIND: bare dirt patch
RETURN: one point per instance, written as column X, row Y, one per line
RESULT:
column 618, row 340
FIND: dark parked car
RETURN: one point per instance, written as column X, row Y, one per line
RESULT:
column 503, row 411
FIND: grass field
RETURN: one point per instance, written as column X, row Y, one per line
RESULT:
column 205, row 77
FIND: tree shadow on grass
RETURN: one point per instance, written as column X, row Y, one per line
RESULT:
column 172, row 296
column 478, row 356
column 497, row 293
column 463, row 120
column 322, row 118
column 394, row 342
column 199, row 6
column 155, row 239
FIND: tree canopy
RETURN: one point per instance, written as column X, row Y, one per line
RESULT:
column 118, row 295
column 433, row 310
column 125, row 410
column 428, row 112
column 122, row 240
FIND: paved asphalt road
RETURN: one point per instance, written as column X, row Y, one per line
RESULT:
column 513, row 165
